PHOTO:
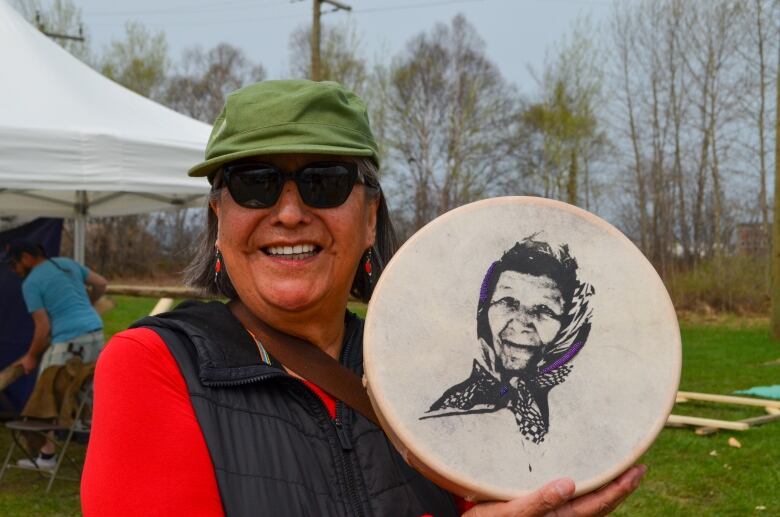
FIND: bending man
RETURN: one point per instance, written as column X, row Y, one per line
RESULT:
column 56, row 296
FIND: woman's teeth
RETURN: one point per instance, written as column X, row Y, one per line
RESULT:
column 297, row 252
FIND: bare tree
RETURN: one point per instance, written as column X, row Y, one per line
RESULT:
column 450, row 117
column 775, row 267
column 340, row 58
column 624, row 31
column 565, row 117
column 122, row 247
column 761, row 62
column 679, row 103
column 205, row 78
column 760, row 44
column 677, row 78
column 139, row 61
column 714, row 40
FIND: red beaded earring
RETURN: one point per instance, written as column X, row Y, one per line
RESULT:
column 217, row 265
column 368, row 265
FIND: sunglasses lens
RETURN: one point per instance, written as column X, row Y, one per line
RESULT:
column 254, row 185
column 326, row 185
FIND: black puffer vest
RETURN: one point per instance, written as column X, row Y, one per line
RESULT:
column 274, row 447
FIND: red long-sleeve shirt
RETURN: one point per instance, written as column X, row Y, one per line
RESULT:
column 147, row 453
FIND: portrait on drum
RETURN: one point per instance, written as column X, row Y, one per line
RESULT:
column 533, row 318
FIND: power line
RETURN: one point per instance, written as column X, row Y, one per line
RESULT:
column 182, row 23
column 417, row 5
column 303, row 15
column 250, row 19
column 208, row 7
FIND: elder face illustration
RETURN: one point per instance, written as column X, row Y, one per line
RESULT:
column 532, row 320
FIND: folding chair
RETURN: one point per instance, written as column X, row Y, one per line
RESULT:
column 81, row 426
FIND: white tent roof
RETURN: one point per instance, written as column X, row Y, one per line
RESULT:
column 65, row 129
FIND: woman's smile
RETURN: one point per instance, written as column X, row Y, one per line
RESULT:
column 292, row 252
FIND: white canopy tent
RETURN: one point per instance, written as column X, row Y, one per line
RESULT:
column 75, row 144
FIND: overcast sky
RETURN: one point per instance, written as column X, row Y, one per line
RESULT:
column 517, row 32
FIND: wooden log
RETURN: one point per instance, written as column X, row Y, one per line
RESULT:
column 163, row 305
column 708, row 422
column 773, row 415
column 156, row 291
column 759, row 420
column 9, row 374
column 728, row 399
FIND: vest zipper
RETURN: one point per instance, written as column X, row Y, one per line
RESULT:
column 346, row 443
column 346, row 459
column 344, row 440
column 343, row 435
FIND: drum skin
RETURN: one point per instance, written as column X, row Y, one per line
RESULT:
column 517, row 340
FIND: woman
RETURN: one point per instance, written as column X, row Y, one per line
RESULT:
column 193, row 416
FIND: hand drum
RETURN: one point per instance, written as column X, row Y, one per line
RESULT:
column 517, row 340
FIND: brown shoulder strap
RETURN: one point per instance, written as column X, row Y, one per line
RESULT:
column 308, row 361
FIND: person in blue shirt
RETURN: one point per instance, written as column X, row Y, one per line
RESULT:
column 66, row 323
column 55, row 292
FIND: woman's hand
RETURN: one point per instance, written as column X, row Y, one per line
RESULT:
column 554, row 499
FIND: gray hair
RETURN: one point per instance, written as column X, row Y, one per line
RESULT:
column 200, row 272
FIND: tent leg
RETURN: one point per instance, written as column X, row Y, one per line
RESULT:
column 80, row 228
column 79, row 238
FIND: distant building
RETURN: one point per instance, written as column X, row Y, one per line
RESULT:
column 752, row 240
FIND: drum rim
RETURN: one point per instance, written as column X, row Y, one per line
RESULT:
column 467, row 487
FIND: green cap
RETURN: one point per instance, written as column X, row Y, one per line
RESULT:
column 290, row 117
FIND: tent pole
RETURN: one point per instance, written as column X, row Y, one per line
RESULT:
column 80, row 227
column 79, row 234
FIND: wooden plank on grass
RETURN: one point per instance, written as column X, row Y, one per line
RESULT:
column 727, row 399
column 774, row 414
column 708, row 422
column 759, row 420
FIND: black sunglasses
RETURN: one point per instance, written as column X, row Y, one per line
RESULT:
column 321, row 184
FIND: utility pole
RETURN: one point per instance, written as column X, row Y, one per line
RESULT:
column 776, row 218
column 42, row 28
column 315, row 32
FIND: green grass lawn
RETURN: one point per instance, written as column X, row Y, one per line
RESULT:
column 703, row 475
column 688, row 474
